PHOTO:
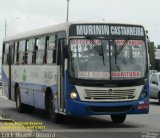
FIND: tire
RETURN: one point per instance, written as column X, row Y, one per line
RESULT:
column 55, row 117
column 118, row 118
column 19, row 106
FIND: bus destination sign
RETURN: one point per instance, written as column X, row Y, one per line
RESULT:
column 106, row 30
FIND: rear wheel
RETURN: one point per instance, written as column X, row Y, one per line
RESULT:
column 118, row 118
column 55, row 117
column 19, row 106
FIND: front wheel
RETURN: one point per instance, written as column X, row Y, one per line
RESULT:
column 118, row 118
column 55, row 117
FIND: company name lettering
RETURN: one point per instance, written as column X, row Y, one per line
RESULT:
column 108, row 30
column 92, row 29
column 123, row 30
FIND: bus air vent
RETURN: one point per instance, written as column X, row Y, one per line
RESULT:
column 109, row 94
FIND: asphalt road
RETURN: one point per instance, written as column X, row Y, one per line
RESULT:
column 134, row 126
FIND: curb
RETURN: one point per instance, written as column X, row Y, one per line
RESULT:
column 5, row 120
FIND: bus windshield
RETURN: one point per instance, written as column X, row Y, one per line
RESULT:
column 107, row 59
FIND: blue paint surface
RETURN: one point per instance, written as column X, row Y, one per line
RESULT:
column 82, row 108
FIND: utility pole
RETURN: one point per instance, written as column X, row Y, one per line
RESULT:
column 67, row 9
column 5, row 24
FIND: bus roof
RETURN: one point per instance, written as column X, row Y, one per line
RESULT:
column 55, row 28
column 37, row 32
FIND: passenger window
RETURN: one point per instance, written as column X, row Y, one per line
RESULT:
column 6, row 50
column 51, row 50
column 42, row 42
column 21, row 52
column 16, row 53
column 30, row 50
column 40, row 52
column 52, row 42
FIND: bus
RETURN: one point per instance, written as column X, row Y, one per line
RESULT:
column 78, row 68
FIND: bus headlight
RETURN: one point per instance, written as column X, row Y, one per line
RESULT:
column 73, row 95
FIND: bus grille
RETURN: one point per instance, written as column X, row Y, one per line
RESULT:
column 109, row 94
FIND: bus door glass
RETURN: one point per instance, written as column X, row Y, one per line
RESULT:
column 10, row 62
column 60, row 62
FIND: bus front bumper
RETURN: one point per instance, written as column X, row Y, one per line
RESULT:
column 80, row 108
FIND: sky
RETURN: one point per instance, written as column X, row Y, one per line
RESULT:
column 26, row 15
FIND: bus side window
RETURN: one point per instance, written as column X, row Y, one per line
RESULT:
column 51, row 50
column 26, row 52
column 5, row 51
column 40, row 53
column 11, row 55
column 21, row 52
column 30, row 52
column 16, row 53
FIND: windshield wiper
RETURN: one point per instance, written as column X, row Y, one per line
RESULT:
column 121, row 47
column 72, row 65
column 117, row 52
column 100, row 52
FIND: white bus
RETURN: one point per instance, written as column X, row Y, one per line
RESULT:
column 80, row 68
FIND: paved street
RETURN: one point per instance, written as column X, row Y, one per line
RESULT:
column 95, row 126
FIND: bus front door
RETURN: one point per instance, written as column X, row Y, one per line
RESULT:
column 61, row 85
column 10, row 62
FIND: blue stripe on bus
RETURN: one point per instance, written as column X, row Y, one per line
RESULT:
column 4, row 84
column 38, row 87
column 35, row 97
column 4, row 78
